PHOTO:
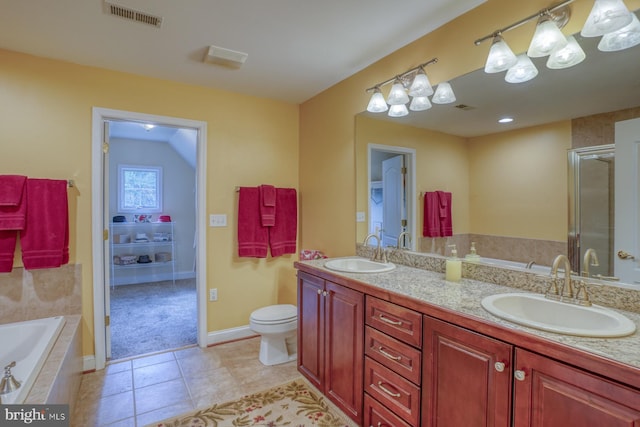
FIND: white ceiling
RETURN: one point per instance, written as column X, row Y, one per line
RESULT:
column 296, row 48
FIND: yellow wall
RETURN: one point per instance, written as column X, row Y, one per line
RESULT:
column 518, row 182
column 441, row 164
column 327, row 124
column 46, row 108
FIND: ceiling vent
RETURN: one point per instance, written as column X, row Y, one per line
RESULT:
column 225, row 57
column 465, row 107
column 132, row 15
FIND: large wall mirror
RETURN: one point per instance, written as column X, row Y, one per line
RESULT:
column 509, row 182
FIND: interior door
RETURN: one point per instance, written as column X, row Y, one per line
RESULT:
column 106, row 248
column 393, row 200
column 627, row 184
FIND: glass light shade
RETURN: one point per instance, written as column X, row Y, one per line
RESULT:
column 606, row 16
column 377, row 104
column 546, row 38
column 398, row 110
column 397, row 95
column 568, row 56
column 420, row 86
column 624, row 38
column 420, row 103
column 523, row 71
column 500, row 58
column 444, row 94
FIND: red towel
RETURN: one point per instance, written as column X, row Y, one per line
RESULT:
column 253, row 238
column 444, row 202
column 13, row 203
column 283, row 235
column 437, row 214
column 267, row 205
column 7, row 248
column 45, row 239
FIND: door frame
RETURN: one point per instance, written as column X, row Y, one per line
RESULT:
column 99, row 115
column 412, row 196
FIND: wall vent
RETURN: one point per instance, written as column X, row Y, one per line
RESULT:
column 132, row 15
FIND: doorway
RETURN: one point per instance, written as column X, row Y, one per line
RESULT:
column 391, row 204
column 106, row 232
column 151, row 182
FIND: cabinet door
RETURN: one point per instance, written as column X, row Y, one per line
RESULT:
column 344, row 349
column 462, row 385
column 311, row 328
column 552, row 394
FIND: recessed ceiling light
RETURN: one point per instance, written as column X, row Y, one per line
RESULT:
column 505, row 120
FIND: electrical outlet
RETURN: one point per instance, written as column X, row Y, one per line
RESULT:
column 213, row 294
column 360, row 217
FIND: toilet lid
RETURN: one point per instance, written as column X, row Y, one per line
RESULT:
column 275, row 314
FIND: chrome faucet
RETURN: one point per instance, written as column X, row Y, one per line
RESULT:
column 399, row 245
column 379, row 254
column 567, row 287
column 530, row 264
column 590, row 258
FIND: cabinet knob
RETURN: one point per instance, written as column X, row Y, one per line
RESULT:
column 325, row 293
column 499, row 366
column 519, row 374
column 319, row 291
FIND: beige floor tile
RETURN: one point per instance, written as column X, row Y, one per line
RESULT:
column 200, row 363
column 160, row 395
column 153, row 359
column 114, row 367
column 114, row 408
column 164, row 413
column 157, row 373
column 128, row 422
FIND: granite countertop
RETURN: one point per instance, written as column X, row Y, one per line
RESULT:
column 465, row 296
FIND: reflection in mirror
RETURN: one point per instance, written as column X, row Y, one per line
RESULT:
column 591, row 209
column 509, row 184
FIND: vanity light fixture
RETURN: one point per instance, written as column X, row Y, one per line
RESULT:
column 567, row 56
column 523, row 71
column 411, row 87
column 501, row 57
column 608, row 18
column 623, row 38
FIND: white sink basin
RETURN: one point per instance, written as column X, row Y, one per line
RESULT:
column 538, row 312
column 358, row 265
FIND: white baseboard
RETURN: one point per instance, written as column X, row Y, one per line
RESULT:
column 88, row 363
column 230, row 334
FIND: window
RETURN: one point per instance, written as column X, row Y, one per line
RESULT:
column 139, row 189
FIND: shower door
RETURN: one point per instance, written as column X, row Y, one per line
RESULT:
column 592, row 207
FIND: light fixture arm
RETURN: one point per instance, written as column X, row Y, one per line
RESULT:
column 542, row 12
column 403, row 75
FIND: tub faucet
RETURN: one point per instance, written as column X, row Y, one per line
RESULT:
column 567, row 287
column 404, row 233
column 530, row 264
column 590, row 258
column 9, row 383
column 379, row 255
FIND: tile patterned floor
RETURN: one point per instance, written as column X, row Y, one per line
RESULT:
column 143, row 390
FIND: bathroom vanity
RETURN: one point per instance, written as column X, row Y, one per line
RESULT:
column 407, row 348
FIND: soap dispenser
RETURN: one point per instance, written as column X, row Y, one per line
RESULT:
column 472, row 256
column 453, row 268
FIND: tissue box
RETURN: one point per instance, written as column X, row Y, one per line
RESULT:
column 121, row 238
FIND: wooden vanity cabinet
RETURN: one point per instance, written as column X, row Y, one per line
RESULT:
column 392, row 366
column 330, row 341
column 552, row 394
column 466, row 378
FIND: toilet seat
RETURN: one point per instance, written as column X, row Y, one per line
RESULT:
column 275, row 314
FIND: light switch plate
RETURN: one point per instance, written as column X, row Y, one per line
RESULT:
column 360, row 217
column 218, row 220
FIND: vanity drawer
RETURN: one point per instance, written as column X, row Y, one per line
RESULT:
column 376, row 415
column 395, row 355
column 395, row 320
column 399, row 395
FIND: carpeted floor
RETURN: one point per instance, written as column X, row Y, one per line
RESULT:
column 152, row 317
column 292, row 404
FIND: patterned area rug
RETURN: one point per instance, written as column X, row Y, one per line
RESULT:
column 293, row 404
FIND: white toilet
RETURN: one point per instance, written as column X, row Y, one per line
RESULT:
column 277, row 324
